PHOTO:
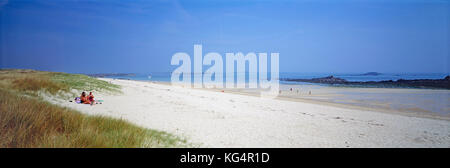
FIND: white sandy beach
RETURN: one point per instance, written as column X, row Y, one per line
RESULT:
column 220, row 119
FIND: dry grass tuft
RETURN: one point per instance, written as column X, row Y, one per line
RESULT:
column 36, row 84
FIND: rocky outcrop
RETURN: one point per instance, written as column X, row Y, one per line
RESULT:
column 415, row 83
column 329, row 79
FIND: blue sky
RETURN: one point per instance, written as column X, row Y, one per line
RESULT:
column 141, row 36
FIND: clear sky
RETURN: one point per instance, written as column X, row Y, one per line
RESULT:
column 88, row 36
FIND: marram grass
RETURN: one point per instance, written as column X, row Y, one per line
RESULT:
column 28, row 121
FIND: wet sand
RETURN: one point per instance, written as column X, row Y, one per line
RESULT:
column 410, row 102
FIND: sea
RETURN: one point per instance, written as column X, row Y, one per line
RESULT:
column 359, row 77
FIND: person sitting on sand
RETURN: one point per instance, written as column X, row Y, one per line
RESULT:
column 84, row 99
column 91, row 98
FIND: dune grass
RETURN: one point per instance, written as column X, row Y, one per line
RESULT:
column 36, row 84
column 83, row 82
column 28, row 121
column 31, row 81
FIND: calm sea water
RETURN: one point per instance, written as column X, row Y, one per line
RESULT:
column 165, row 76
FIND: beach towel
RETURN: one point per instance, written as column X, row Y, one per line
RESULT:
column 77, row 100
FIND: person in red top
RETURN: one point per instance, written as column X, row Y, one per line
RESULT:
column 91, row 98
column 84, row 98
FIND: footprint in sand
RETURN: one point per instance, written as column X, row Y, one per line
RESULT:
column 307, row 114
column 340, row 118
column 420, row 139
column 371, row 122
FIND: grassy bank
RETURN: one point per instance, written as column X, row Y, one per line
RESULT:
column 32, row 82
column 28, row 121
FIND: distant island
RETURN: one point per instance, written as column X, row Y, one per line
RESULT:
column 414, row 83
column 371, row 74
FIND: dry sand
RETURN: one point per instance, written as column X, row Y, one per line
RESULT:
column 220, row 119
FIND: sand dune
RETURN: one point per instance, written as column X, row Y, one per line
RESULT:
column 216, row 119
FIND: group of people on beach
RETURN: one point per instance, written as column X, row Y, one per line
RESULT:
column 298, row 91
column 87, row 99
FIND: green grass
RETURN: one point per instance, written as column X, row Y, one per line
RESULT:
column 28, row 121
column 83, row 82
column 30, row 82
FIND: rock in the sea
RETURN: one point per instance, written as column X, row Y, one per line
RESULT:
column 329, row 79
column 371, row 74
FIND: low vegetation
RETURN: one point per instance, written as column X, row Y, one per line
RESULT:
column 83, row 82
column 28, row 121
column 31, row 82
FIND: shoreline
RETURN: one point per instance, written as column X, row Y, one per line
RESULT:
column 215, row 119
column 408, row 113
